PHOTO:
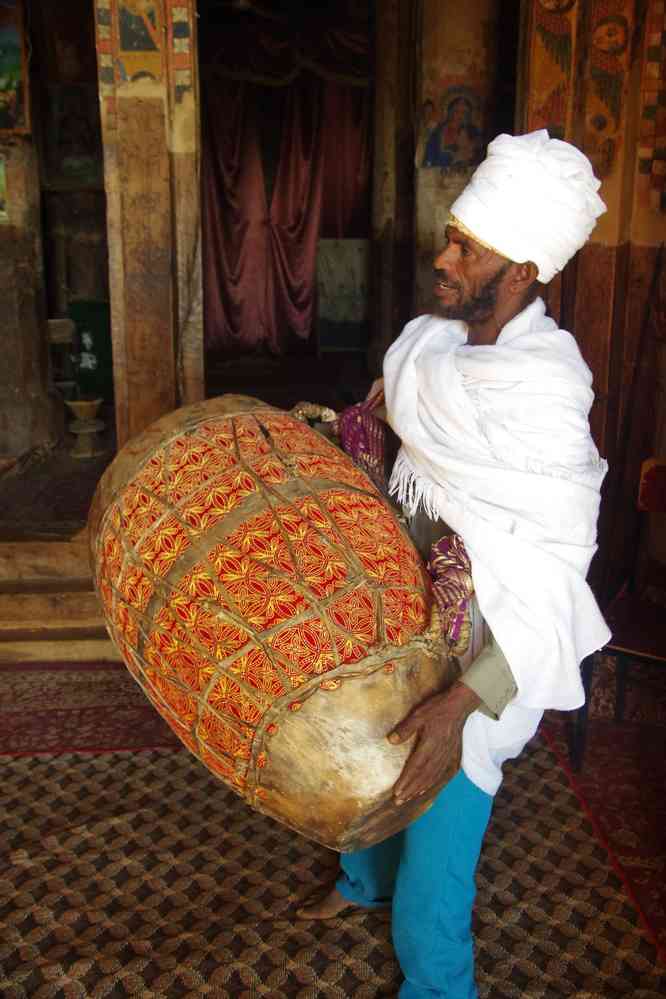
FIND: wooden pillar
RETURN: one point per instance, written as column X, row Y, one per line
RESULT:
column 148, row 94
column 393, row 176
column 29, row 414
column 184, row 146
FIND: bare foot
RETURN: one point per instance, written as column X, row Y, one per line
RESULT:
column 327, row 906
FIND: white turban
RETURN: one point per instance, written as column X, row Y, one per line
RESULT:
column 533, row 198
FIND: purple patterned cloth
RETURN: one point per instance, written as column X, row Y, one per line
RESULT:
column 363, row 437
column 453, row 588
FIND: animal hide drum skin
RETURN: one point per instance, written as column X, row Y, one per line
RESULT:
column 269, row 603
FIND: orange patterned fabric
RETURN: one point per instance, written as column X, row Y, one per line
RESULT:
column 248, row 559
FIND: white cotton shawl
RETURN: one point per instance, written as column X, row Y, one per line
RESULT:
column 496, row 442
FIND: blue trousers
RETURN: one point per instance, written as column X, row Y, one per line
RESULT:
column 427, row 870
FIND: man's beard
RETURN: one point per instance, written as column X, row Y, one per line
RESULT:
column 481, row 306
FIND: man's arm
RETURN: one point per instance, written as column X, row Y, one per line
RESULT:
column 437, row 725
column 491, row 678
column 438, row 722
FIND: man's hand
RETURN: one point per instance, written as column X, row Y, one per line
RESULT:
column 437, row 724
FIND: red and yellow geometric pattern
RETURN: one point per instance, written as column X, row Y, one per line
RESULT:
column 247, row 564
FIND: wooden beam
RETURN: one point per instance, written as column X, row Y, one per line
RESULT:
column 37, row 564
column 49, row 611
column 44, row 615
column 69, row 650
column 147, row 360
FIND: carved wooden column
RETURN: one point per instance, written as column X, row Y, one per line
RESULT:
column 147, row 81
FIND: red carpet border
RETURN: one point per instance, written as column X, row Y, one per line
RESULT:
column 64, row 707
column 621, row 787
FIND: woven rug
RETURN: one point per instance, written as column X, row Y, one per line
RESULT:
column 59, row 707
column 138, row 874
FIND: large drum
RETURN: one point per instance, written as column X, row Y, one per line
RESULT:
column 274, row 611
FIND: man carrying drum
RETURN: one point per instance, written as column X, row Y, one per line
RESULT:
column 490, row 401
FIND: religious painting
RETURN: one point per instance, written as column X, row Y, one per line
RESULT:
column 608, row 69
column 4, row 214
column 14, row 116
column 453, row 137
column 140, row 33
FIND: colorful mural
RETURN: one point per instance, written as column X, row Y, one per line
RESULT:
column 611, row 28
column 14, row 114
column 551, row 52
column 652, row 144
column 455, row 140
column 135, row 37
column 180, row 34
column 140, row 34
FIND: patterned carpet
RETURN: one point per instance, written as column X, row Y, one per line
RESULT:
column 138, row 874
column 61, row 707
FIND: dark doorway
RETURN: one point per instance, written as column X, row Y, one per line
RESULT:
column 286, row 101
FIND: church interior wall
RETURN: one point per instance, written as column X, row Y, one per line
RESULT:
column 465, row 96
column 446, row 83
column 593, row 75
column 30, row 415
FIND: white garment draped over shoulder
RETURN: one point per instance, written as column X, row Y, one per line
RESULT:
column 496, row 442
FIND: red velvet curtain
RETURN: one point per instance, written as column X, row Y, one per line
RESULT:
column 234, row 219
column 295, row 214
column 259, row 259
column 346, row 152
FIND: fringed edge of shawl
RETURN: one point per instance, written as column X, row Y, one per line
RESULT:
column 412, row 489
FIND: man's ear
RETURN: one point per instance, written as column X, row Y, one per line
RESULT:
column 522, row 277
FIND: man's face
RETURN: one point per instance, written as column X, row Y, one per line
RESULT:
column 467, row 278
